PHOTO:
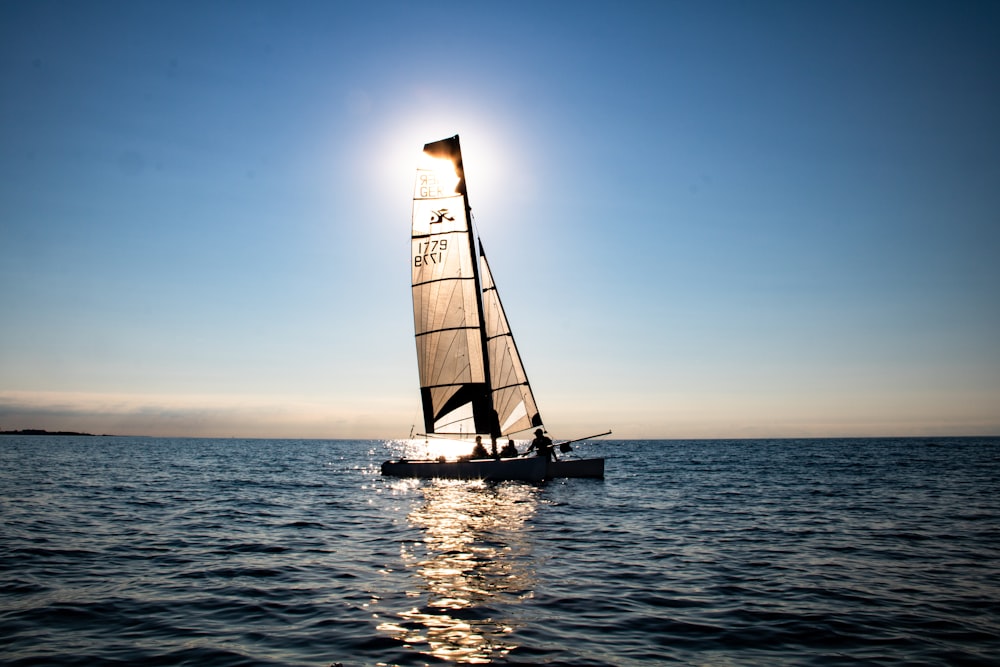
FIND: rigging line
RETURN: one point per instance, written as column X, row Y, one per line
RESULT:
column 474, row 226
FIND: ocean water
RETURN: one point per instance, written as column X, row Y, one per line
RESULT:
column 136, row 551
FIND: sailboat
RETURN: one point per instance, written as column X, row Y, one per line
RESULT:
column 472, row 380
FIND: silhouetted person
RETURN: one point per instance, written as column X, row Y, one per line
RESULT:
column 479, row 452
column 509, row 450
column 493, row 448
column 542, row 446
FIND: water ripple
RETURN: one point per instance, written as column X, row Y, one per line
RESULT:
column 119, row 551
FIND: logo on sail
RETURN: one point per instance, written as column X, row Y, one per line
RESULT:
column 441, row 215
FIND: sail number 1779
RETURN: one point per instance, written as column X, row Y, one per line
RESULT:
column 429, row 252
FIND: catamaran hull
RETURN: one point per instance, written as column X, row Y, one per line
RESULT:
column 532, row 469
column 575, row 468
column 523, row 469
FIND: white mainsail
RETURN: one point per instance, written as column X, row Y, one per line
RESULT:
column 471, row 377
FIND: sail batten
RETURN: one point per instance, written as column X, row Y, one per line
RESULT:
column 440, row 280
column 427, row 333
column 510, row 386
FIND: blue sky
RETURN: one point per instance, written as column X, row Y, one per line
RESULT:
column 717, row 219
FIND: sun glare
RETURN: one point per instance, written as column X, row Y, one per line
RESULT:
column 433, row 448
column 436, row 177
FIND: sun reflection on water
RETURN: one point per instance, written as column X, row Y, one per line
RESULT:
column 474, row 559
column 433, row 447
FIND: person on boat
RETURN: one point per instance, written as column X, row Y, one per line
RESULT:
column 479, row 452
column 542, row 446
column 509, row 450
column 493, row 448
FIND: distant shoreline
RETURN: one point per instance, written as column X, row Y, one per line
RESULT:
column 38, row 431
